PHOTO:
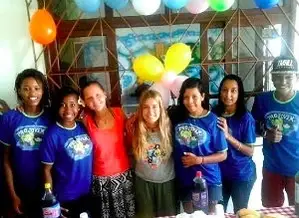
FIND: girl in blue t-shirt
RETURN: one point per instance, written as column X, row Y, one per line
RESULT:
column 199, row 145
column 21, row 133
column 238, row 170
column 66, row 154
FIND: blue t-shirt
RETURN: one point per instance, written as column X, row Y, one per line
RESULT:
column 282, row 157
column 202, row 137
column 70, row 152
column 239, row 166
column 24, row 134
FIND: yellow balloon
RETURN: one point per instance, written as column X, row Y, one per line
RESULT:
column 177, row 58
column 148, row 68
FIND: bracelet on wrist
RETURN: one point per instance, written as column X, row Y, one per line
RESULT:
column 239, row 147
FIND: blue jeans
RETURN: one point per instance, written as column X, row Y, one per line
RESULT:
column 239, row 191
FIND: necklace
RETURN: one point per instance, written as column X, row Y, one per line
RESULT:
column 103, row 121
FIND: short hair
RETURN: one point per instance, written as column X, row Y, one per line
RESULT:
column 38, row 76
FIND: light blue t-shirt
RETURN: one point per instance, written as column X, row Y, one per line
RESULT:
column 24, row 134
column 202, row 137
column 282, row 157
column 239, row 166
column 69, row 150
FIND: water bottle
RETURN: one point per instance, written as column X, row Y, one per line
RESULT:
column 297, row 193
column 200, row 199
column 50, row 205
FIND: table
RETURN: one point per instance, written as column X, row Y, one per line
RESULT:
column 286, row 211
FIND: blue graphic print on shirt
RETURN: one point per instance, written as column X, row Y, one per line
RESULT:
column 191, row 135
column 284, row 121
column 78, row 147
column 24, row 134
column 29, row 137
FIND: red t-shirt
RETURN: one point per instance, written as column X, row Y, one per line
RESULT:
column 110, row 154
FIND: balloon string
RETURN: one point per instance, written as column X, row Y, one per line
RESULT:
column 44, row 4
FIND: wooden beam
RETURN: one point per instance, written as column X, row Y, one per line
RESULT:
column 255, row 15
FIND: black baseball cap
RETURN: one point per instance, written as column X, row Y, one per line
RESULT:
column 284, row 64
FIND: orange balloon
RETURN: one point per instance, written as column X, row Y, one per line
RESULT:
column 42, row 27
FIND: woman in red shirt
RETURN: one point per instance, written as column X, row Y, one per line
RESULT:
column 112, row 186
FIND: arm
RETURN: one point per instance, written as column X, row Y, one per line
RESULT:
column 190, row 159
column 244, row 148
column 214, row 158
column 47, row 173
column 48, row 179
column 129, row 133
column 130, row 128
column 256, row 113
column 9, row 180
column 48, row 154
column 273, row 135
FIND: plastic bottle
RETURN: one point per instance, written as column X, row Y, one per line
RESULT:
column 50, row 205
column 297, row 193
column 200, row 197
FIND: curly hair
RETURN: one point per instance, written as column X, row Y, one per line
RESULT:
column 39, row 77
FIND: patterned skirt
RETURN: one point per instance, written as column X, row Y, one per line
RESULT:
column 113, row 196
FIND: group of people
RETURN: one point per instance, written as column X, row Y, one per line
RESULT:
column 100, row 161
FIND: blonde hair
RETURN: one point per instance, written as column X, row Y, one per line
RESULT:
column 141, row 132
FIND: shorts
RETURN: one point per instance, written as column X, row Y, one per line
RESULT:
column 273, row 185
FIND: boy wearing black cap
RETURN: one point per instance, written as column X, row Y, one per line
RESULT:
column 277, row 112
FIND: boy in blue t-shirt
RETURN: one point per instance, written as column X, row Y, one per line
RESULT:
column 277, row 113
column 66, row 153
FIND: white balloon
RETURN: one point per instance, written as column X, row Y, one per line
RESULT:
column 197, row 6
column 177, row 84
column 167, row 79
column 146, row 7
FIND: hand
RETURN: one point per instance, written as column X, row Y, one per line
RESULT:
column 64, row 212
column 130, row 124
column 190, row 159
column 3, row 106
column 16, row 203
column 273, row 135
column 222, row 124
column 20, row 108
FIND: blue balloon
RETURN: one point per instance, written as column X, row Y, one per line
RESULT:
column 175, row 4
column 266, row 4
column 116, row 4
column 88, row 6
